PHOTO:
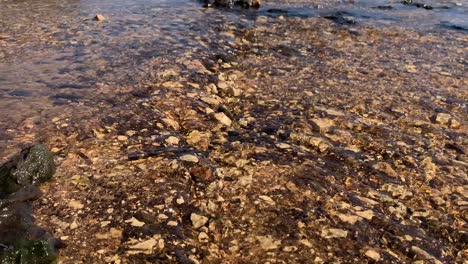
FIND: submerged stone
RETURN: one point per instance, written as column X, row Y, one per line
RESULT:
column 21, row 241
column 30, row 252
column 232, row 3
column 32, row 166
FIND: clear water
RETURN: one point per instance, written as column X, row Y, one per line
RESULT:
column 53, row 54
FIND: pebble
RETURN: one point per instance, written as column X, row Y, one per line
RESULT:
column 99, row 17
column 203, row 237
column 210, row 101
column 172, row 123
column 75, row 204
column 145, row 247
column 130, row 133
column 198, row 220
column 233, row 92
column 372, row 254
column 268, row 243
column 267, row 199
column 163, row 217
column 122, row 138
column 223, row 85
column 180, row 200
column 322, row 124
column 420, row 253
column 223, row 119
column 283, row 146
column 368, row 214
column 195, row 136
column 172, row 140
column 454, row 124
column 74, row 225
column 386, row 168
column 352, row 219
column 115, row 233
column 441, row 118
column 172, row 223
column 134, row 222
column 334, row 233
column 189, row 158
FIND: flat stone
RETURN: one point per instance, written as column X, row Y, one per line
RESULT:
column 75, row 204
column 352, row 219
column 322, row 124
column 268, row 243
column 115, row 233
column 223, row 119
column 386, row 168
column 189, row 158
column 441, row 118
column 172, row 140
column 195, row 137
column 422, row 254
column 334, row 233
column 368, row 214
column 171, row 123
column 135, row 222
column 372, row 254
column 172, row 223
column 145, row 247
column 223, row 85
column 211, row 101
column 245, row 180
column 267, row 199
column 233, row 92
column 283, row 146
column 122, row 138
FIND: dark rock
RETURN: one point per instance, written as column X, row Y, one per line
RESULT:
column 286, row 50
column 32, row 166
column 30, row 251
column 341, row 17
column 21, row 241
column 384, row 7
column 277, row 11
column 232, row 3
column 418, row 5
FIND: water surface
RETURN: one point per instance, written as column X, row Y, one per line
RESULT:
column 53, row 54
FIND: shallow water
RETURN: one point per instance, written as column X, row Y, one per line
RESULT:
column 53, row 54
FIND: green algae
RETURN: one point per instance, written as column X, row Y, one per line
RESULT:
column 30, row 252
column 32, row 166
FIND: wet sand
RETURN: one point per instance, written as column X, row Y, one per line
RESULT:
column 275, row 138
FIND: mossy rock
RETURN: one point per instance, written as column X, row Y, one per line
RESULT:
column 32, row 166
column 30, row 252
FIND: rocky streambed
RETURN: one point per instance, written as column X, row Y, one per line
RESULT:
column 289, row 139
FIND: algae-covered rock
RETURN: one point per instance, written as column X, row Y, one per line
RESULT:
column 30, row 252
column 21, row 241
column 32, row 166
